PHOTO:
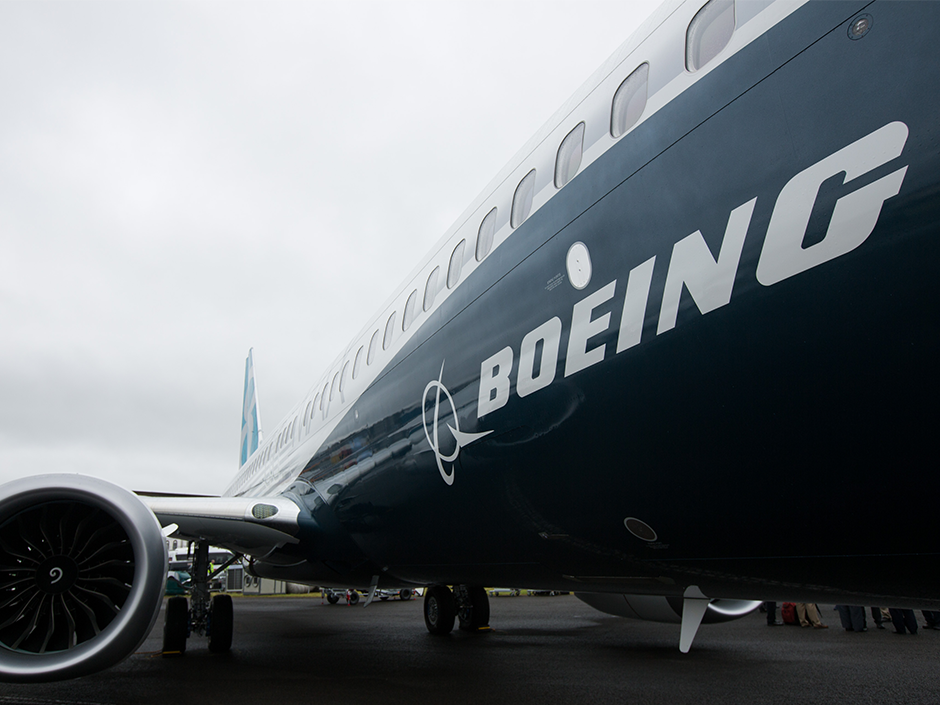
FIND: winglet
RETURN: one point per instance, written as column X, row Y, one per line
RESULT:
column 251, row 416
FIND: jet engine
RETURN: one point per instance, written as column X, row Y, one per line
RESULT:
column 82, row 575
column 657, row 608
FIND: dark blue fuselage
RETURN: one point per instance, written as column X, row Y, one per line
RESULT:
column 778, row 444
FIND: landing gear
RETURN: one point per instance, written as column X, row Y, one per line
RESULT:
column 199, row 595
column 203, row 617
column 221, row 623
column 175, row 627
column 440, row 609
column 469, row 604
column 473, row 607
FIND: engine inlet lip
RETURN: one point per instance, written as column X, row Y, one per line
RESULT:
column 142, row 606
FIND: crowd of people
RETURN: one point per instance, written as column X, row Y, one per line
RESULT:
column 852, row 617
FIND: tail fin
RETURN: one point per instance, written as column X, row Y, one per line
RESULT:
column 251, row 417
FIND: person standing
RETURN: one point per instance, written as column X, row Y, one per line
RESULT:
column 903, row 619
column 880, row 615
column 931, row 619
column 808, row 614
column 771, row 608
column 853, row 618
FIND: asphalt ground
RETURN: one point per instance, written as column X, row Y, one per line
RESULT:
column 542, row 650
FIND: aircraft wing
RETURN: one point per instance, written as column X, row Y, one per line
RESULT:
column 250, row 525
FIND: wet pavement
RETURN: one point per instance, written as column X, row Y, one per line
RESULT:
column 542, row 650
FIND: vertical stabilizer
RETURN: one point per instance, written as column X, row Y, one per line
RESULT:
column 251, row 417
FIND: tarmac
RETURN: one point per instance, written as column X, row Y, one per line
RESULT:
column 542, row 650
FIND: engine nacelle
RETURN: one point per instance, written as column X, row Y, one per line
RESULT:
column 657, row 608
column 82, row 575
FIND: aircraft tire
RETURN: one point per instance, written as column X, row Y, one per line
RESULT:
column 439, row 609
column 353, row 598
column 221, row 624
column 175, row 626
column 406, row 594
column 332, row 598
column 477, row 614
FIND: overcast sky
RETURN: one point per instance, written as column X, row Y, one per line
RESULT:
column 182, row 181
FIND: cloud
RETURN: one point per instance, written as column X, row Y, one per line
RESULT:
column 182, row 181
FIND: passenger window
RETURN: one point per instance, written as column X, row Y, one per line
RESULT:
column 522, row 200
column 708, row 33
column 373, row 346
column 629, row 101
column 342, row 377
column 357, row 365
column 568, row 159
column 433, row 286
column 389, row 329
column 456, row 264
column 486, row 235
column 408, row 316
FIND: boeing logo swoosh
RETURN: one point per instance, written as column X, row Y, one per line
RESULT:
column 462, row 439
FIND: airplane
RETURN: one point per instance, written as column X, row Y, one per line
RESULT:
column 678, row 357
